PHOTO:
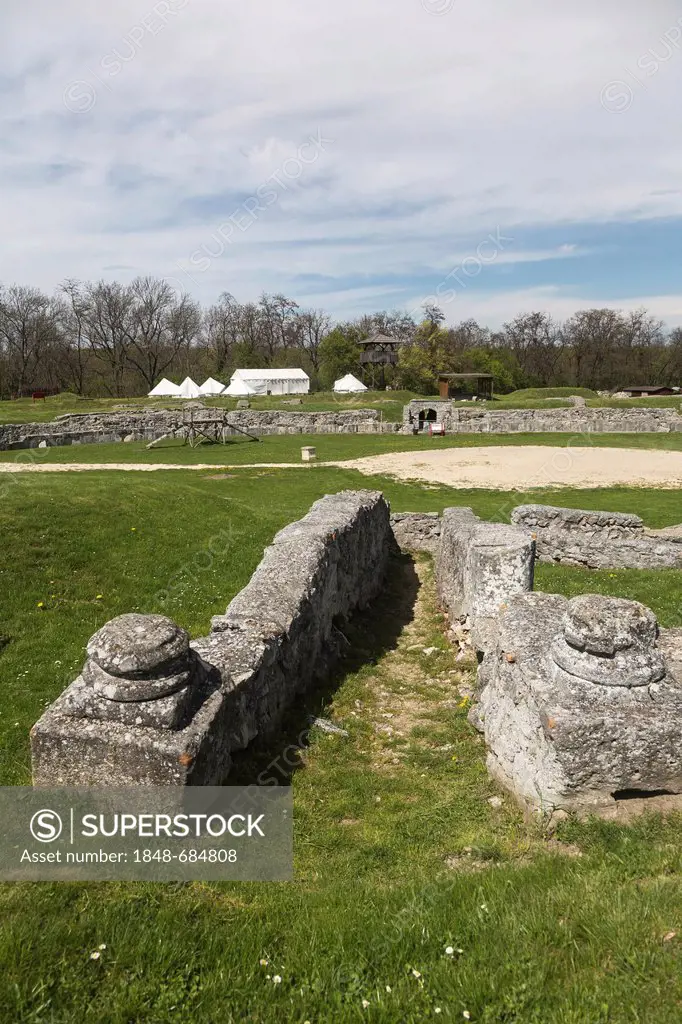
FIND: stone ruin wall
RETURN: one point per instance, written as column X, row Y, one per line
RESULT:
column 579, row 700
column 150, row 425
column 599, row 540
column 152, row 707
column 577, row 420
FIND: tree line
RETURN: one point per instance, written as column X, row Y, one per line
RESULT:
column 108, row 338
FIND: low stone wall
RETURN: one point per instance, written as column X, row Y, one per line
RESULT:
column 582, row 703
column 153, row 708
column 417, row 531
column 598, row 540
column 149, row 425
column 482, row 419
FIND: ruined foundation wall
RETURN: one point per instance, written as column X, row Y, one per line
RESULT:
column 480, row 419
column 149, row 425
column 598, row 540
column 152, row 708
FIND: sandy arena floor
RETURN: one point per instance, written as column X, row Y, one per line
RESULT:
column 500, row 468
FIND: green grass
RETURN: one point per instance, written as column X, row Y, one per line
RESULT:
column 398, row 853
column 330, row 447
column 535, row 393
column 25, row 410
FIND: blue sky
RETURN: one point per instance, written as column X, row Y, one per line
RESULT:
column 499, row 157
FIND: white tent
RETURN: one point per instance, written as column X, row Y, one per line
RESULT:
column 188, row 389
column 166, row 389
column 212, row 387
column 239, row 389
column 348, row 384
column 280, row 381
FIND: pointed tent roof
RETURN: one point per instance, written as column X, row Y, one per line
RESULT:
column 239, row 389
column 211, row 386
column 164, row 388
column 188, row 389
column 349, row 383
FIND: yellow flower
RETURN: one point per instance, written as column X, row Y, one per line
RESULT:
column 99, row 597
column 41, row 604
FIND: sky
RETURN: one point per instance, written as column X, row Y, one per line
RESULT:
column 493, row 157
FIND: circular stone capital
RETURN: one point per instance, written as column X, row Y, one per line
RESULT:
column 137, row 646
column 604, row 625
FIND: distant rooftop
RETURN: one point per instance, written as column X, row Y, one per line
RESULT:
column 651, row 387
column 279, row 373
column 467, row 376
column 381, row 339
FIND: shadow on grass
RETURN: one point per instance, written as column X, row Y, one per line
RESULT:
column 364, row 640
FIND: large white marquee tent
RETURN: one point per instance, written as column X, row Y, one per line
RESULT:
column 280, row 381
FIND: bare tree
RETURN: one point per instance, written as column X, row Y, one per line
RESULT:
column 535, row 340
column 108, row 319
column 314, row 324
column 222, row 331
column 73, row 323
column 158, row 327
column 28, row 333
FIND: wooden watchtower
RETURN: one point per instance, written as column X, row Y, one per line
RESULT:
column 377, row 353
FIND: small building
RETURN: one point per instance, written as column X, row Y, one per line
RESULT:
column 378, row 352
column 279, row 381
column 650, row 391
column 461, row 386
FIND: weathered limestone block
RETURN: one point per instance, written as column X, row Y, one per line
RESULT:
column 481, row 565
column 416, row 531
column 582, row 702
column 151, row 708
column 598, row 540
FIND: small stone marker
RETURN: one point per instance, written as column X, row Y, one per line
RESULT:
column 308, row 454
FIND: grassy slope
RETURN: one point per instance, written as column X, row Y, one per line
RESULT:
column 287, row 448
column 545, row 937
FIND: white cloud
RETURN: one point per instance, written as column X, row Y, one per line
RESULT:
column 443, row 128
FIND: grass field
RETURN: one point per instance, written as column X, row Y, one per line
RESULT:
column 330, row 447
column 399, row 855
column 389, row 403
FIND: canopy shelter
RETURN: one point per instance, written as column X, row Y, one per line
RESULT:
column 166, row 389
column 189, row 389
column 238, row 389
column 465, row 385
column 348, row 384
column 281, row 380
column 211, row 386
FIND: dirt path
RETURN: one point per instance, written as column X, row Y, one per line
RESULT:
column 500, row 468
column 508, row 468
